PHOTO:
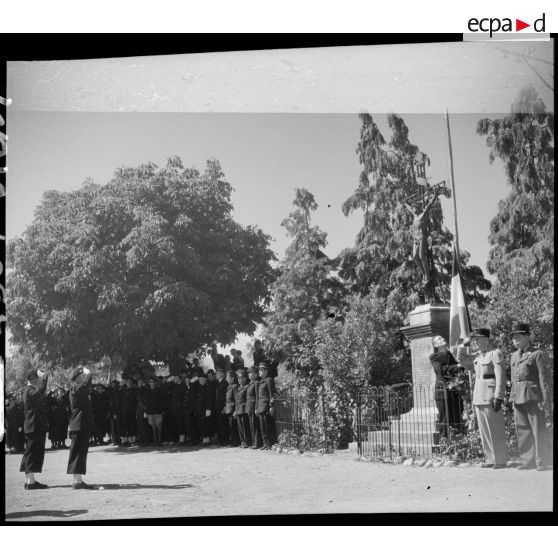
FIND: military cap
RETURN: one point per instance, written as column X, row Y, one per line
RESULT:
column 521, row 328
column 480, row 332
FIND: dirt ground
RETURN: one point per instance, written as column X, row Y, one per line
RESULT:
column 179, row 482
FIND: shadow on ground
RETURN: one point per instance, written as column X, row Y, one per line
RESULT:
column 48, row 513
column 137, row 486
column 161, row 449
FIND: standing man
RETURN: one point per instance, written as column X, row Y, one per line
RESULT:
column 530, row 394
column 488, row 397
column 81, row 425
column 230, row 402
column 251, row 404
column 258, row 355
column 240, row 411
column 129, row 408
column 34, row 428
column 266, row 393
column 223, row 434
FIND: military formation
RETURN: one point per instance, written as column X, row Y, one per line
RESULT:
column 531, row 393
column 229, row 405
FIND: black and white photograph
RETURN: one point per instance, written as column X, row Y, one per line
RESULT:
column 302, row 281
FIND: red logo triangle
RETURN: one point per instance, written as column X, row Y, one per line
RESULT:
column 519, row 25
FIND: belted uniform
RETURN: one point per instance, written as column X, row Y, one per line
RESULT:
column 490, row 382
column 530, row 377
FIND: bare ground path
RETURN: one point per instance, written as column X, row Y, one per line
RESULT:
column 178, row 482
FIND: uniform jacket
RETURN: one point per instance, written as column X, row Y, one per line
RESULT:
column 230, row 398
column 220, row 395
column 81, row 417
column 153, row 401
column 530, row 377
column 240, row 400
column 252, row 396
column 490, row 363
column 266, row 392
column 445, row 366
column 34, row 408
column 130, row 401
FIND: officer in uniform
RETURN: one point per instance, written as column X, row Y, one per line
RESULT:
column 488, row 397
column 81, row 426
column 251, row 404
column 240, row 411
column 230, row 403
column 35, row 429
column 264, row 409
column 530, row 394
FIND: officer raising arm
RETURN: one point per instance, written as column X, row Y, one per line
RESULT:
column 488, row 396
column 530, row 394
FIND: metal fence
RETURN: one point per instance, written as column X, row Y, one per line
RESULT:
column 424, row 420
column 300, row 420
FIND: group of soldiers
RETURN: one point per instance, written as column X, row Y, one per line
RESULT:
column 531, row 393
column 229, row 405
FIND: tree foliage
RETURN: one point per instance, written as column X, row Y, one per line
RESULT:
column 522, row 233
column 381, row 260
column 147, row 264
column 304, row 292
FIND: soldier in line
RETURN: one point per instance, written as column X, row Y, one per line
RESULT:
column 488, row 398
column 81, row 425
column 222, row 424
column 251, row 404
column 15, row 437
column 129, row 408
column 58, row 421
column 202, row 409
column 177, row 408
column 154, row 409
column 115, row 408
column 242, row 421
column 35, row 428
column 101, row 413
column 212, row 395
column 530, row 394
column 264, row 409
column 230, row 402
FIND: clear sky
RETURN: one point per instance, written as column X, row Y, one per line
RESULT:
column 264, row 157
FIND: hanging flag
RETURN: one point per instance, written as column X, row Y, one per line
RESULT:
column 459, row 316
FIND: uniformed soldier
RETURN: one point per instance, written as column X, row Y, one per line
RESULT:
column 530, row 394
column 80, row 427
column 488, row 397
column 251, row 405
column 223, row 434
column 264, row 409
column 230, row 402
column 177, row 407
column 34, row 428
column 242, row 421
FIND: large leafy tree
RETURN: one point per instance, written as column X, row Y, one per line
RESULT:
column 305, row 291
column 148, row 264
column 522, row 232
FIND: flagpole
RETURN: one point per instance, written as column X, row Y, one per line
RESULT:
column 452, row 184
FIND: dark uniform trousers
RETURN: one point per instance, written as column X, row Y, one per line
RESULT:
column 255, row 433
column 243, row 424
column 77, row 460
column 266, row 427
column 34, row 454
column 232, row 428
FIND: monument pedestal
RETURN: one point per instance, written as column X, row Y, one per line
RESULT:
column 417, row 431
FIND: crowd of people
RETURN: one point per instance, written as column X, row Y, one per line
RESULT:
column 227, row 405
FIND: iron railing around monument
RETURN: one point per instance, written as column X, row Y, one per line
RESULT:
column 409, row 419
column 300, row 420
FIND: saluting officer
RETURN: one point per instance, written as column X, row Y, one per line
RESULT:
column 488, row 397
column 530, row 394
column 35, row 429
column 264, row 409
column 81, row 425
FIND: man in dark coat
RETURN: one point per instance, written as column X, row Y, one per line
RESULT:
column 212, row 394
column 530, row 393
column 202, row 412
column 448, row 372
column 242, row 421
column 35, row 428
column 81, row 425
column 251, row 404
column 258, row 355
column 264, row 409
column 222, row 424
column 129, row 409
column 59, row 418
column 101, row 413
column 115, row 408
column 177, row 407
column 230, row 404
